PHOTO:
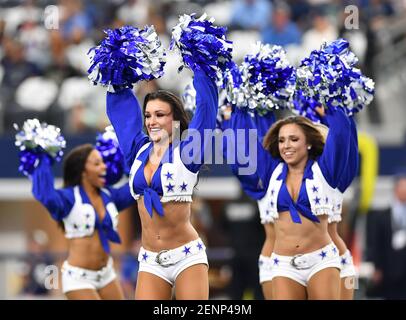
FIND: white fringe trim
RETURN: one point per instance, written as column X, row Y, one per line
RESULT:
column 176, row 198
column 334, row 218
column 265, row 220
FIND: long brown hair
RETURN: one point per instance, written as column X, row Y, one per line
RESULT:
column 312, row 134
column 179, row 113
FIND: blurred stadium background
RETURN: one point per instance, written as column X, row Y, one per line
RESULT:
column 43, row 66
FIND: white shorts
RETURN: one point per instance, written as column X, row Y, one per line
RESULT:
column 301, row 268
column 347, row 265
column 265, row 267
column 75, row 278
column 168, row 264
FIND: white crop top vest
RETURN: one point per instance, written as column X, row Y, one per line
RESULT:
column 316, row 187
column 80, row 222
column 181, row 177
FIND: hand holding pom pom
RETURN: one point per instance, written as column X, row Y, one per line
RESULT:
column 202, row 45
column 127, row 55
column 36, row 142
column 329, row 76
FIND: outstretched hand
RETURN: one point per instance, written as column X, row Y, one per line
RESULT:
column 320, row 111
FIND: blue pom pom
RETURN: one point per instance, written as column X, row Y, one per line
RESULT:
column 127, row 55
column 264, row 81
column 306, row 106
column 107, row 145
column 329, row 76
column 38, row 140
column 202, row 45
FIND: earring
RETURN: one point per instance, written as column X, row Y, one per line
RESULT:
column 309, row 147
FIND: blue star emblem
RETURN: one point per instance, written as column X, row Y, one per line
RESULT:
column 168, row 175
column 145, row 256
column 267, row 212
column 183, row 186
column 272, row 203
column 276, row 261
column 186, row 250
column 323, row 254
column 272, row 192
column 335, row 250
column 75, row 226
column 317, row 200
column 87, row 215
column 199, row 246
column 315, row 189
column 170, row 187
column 343, row 261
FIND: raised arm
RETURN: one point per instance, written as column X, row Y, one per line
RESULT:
column 245, row 155
column 193, row 148
column 125, row 115
column 58, row 202
column 353, row 159
column 263, row 123
column 333, row 160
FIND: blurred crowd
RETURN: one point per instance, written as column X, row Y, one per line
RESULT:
column 44, row 45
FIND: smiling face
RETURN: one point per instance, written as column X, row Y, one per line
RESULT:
column 293, row 145
column 95, row 170
column 158, row 120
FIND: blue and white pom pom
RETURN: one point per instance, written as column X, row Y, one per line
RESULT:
column 127, row 55
column 306, row 107
column 236, row 91
column 107, row 145
column 330, row 77
column 202, row 45
column 270, row 77
column 36, row 140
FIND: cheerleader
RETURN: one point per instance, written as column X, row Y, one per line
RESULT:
column 87, row 211
column 163, row 175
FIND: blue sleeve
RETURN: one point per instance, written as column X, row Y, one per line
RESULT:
column 238, row 148
column 122, row 197
column 334, row 158
column 196, row 143
column 124, row 113
column 263, row 123
column 353, row 159
column 58, row 202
